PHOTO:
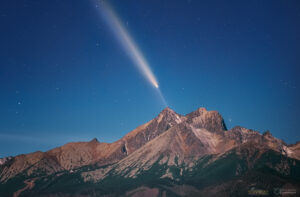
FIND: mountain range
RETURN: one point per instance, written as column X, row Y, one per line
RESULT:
column 171, row 155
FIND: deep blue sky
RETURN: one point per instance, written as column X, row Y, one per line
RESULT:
column 65, row 77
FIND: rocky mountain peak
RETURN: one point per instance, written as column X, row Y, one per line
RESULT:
column 169, row 116
column 4, row 160
column 267, row 134
column 210, row 120
column 165, row 120
column 242, row 135
column 167, row 110
column 169, row 141
column 94, row 140
column 202, row 109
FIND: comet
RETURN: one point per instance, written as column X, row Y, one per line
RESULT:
column 131, row 48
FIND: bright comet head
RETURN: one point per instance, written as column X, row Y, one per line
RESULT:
column 127, row 42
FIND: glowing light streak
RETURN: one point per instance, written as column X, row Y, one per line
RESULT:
column 127, row 42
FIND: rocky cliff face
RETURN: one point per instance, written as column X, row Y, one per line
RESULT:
column 78, row 154
column 4, row 160
column 140, row 136
column 209, row 120
column 172, row 155
column 294, row 150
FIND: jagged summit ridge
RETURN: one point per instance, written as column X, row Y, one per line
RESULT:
column 170, row 140
column 210, row 120
column 170, row 116
column 165, row 120
column 94, row 140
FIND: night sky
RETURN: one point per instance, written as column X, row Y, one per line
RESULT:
column 64, row 76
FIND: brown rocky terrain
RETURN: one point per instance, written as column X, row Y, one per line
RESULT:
column 171, row 147
column 77, row 154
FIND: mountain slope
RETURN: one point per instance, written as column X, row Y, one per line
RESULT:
column 234, row 173
column 75, row 155
column 171, row 155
